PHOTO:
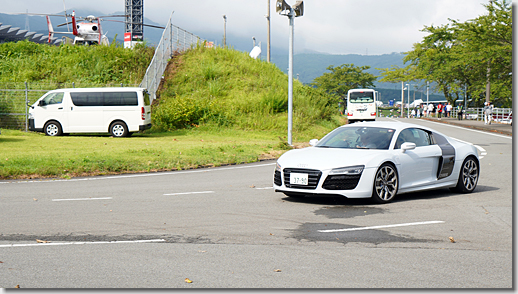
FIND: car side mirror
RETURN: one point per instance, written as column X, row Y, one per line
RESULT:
column 313, row 142
column 407, row 146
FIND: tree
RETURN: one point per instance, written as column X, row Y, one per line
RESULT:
column 467, row 55
column 343, row 78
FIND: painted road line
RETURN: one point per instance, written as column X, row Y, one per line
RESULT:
column 188, row 193
column 265, row 188
column 82, row 243
column 83, row 199
column 381, row 227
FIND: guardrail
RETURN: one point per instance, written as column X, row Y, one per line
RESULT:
column 174, row 39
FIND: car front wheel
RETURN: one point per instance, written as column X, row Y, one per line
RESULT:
column 52, row 128
column 468, row 176
column 385, row 184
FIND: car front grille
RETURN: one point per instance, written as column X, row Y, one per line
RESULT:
column 313, row 178
column 341, row 182
column 277, row 179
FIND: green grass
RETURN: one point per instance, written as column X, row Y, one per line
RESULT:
column 34, row 155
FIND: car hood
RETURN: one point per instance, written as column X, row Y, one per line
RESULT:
column 328, row 158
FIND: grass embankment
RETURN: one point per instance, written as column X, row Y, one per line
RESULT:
column 218, row 106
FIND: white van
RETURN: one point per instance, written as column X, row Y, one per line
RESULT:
column 118, row 111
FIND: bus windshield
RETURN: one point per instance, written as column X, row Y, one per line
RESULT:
column 361, row 97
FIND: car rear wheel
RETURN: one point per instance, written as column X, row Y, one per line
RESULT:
column 119, row 129
column 468, row 176
column 53, row 128
column 386, row 184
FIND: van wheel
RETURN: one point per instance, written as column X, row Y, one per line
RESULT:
column 52, row 128
column 118, row 129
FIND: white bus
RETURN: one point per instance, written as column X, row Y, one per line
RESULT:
column 118, row 111
column 361, row 105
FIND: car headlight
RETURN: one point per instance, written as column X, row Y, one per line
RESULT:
column 278, row 167
column 31, row 116
column 349, row 170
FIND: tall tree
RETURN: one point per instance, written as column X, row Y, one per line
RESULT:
column 342, row 78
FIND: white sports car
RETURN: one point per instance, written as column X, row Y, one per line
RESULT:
column 378, row 160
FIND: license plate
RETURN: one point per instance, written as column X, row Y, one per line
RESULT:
column 299, row 179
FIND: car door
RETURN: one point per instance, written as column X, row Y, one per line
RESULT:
column 51, row 108
column 417, row 167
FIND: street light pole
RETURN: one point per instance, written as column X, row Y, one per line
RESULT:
column 402, row 97
column 408, row 105
column 291, row 12
column 225, row 31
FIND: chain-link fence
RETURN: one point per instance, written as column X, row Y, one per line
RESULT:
column 15, row 99
column 174, row 39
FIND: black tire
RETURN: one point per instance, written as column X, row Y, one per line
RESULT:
column 468, row 176
column 386, row 184
column 119, row 129
column 52, row 128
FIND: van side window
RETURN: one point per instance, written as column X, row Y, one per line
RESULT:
column 120, row 99
column 53, row 98
column 87, row 98
column 104, row 99
column 146, row 98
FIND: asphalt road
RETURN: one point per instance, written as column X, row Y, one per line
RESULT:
column 226, row 228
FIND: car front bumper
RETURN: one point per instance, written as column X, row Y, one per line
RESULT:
column 363, row 188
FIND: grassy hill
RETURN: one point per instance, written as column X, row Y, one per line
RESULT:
column 221, row 87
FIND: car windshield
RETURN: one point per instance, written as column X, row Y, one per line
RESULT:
column 358, row 138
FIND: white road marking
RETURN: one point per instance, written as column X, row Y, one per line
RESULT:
column 459, row 127
column 483, row 151
column 187, row 193
column 381, row 227
column 204, row 170
column 265, row 188
column 82, row 243
column 83, row 199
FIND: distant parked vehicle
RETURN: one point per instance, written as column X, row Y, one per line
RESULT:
column 118, row 111
column 361, row 105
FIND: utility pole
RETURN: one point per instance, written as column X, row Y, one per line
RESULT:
column 268, row 39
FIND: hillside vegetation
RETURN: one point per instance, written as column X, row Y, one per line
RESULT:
column 88, row 65
column 221, row 87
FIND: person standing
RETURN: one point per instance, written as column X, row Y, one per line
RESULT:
column 448, row 109
column 430, row 109
column 459, row 111
column 439, row 110
column 488, row 112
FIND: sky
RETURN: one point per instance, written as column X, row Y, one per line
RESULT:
column 366, row 27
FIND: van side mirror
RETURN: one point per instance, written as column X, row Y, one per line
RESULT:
column 407, row 146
